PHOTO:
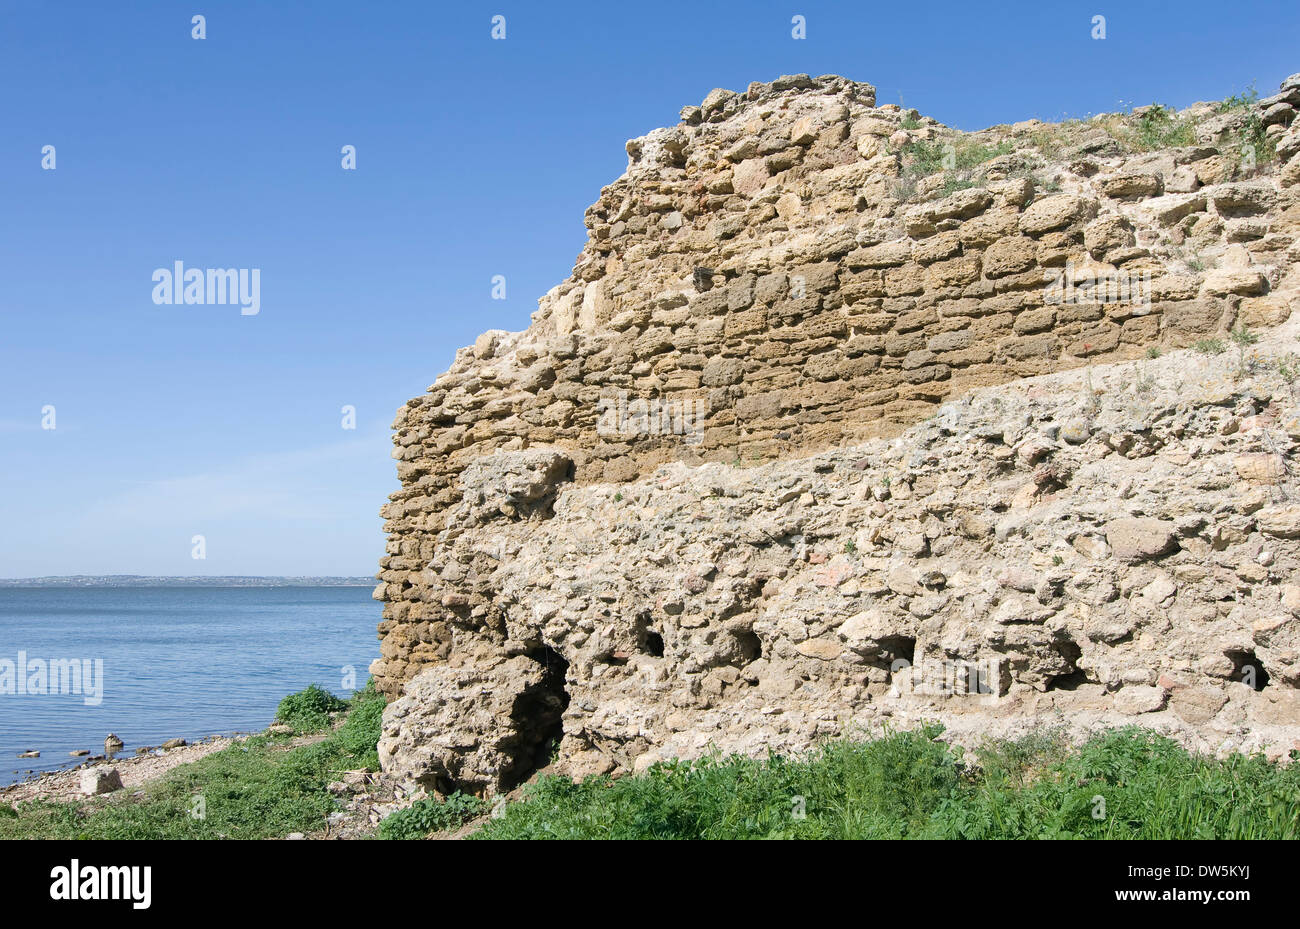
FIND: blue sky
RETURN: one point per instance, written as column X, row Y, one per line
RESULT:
column 475, row 158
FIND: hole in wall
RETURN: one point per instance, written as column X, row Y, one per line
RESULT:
column 648, row 641
column 1072, row 679
column 898, row 647
column 1247, row 669
column 538, row 714
column 748, row 646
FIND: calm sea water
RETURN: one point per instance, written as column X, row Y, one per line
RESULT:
column 177, row 662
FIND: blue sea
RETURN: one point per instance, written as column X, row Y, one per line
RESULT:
column 176, row 662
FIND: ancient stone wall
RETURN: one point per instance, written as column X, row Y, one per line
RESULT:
column 780, row 274
column 1081, row 550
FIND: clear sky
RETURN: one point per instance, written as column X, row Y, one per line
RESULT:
column 474, row 157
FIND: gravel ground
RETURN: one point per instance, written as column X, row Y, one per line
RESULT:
column 135, row 771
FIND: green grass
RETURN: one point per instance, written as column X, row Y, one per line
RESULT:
column 925, row 158
column 257, row 788
column 1157, row 128
column 1127, row 783
column 953, row 183
column 308, row 710
column 429, row 815
column 1247, row 98
column 1161, row 127
column 956, row 158
column 1243, row 338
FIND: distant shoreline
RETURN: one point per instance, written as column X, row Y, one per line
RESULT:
column 144, row 580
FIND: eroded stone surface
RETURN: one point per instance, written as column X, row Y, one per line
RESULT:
column 697, row 479
column 474, row 728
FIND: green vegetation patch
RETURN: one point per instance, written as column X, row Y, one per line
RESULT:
column 430, row 815
column 1127, row 783
column 1161, row 127
column 309, row 709
column 922, row 159
column 258, row 788
column 1122, row 784
column 1158, row 127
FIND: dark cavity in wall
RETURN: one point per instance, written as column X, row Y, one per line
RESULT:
column 1246, row 669
column 898, row 648
column 648, row 641
column 653, row 644
column 748, row 646
column 538, row 714
column 1070, row 680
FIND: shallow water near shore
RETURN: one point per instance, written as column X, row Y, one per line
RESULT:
column 176, row 662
